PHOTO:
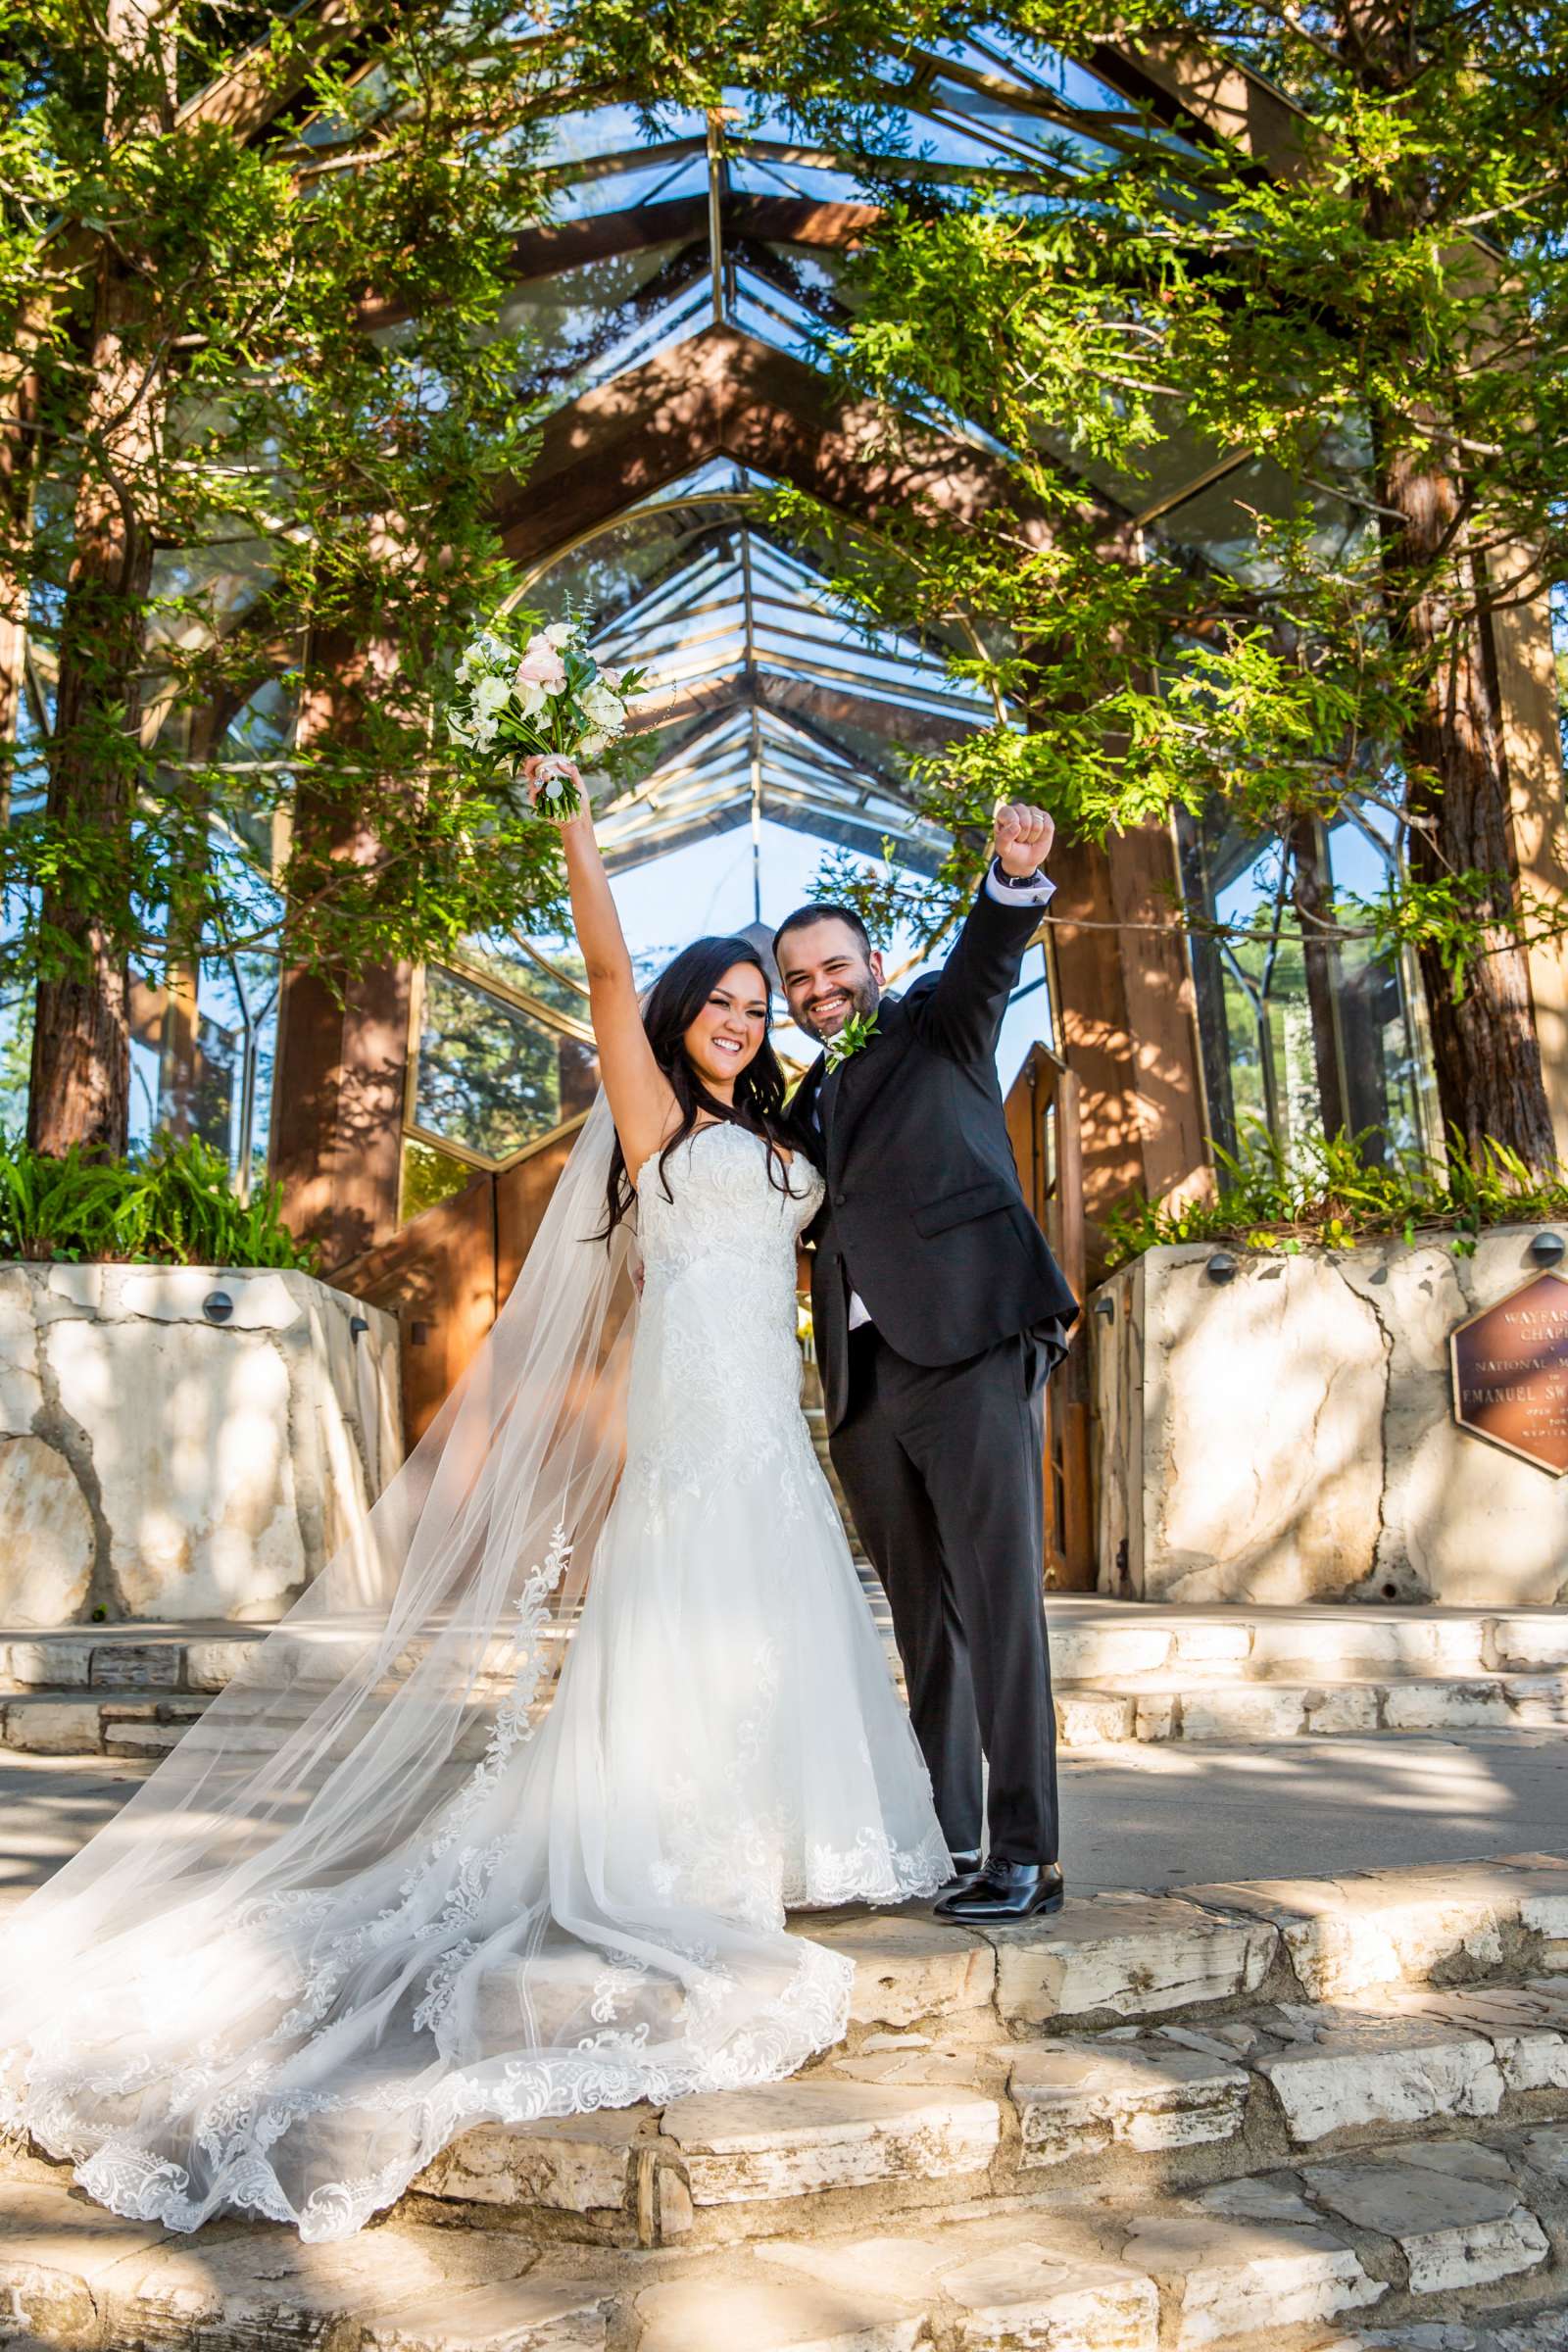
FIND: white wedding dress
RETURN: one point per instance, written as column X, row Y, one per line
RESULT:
column 299, row 1986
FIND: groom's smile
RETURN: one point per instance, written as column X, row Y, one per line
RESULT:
column 828, row 975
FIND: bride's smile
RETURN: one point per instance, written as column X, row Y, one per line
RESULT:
column 727, row 1034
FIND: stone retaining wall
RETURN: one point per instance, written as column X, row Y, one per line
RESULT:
column 155, row 1463
column 1289, row 1435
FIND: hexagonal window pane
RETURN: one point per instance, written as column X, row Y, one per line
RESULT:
column 491, row 1076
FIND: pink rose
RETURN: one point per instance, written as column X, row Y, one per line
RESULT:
column 542, row 666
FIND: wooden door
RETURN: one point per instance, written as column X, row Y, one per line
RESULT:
column 1042, row 1121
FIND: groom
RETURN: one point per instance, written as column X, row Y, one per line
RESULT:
column 939, row 1313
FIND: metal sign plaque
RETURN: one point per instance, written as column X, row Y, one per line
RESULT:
column 1510, row 1372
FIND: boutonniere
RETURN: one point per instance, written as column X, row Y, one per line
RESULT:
column 855, row 1034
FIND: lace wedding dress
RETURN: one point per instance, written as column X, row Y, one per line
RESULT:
column 387, row 1887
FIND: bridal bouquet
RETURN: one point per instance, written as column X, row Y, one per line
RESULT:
column 541, row 707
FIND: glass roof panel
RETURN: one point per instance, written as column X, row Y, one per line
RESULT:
column 1219, row 521
column 986, row 113
column 623, row 191
column 1174, row 460
column 582, row 134
column 584, row 325
column 1028, row 62
column 762, row 173
column 772, row 316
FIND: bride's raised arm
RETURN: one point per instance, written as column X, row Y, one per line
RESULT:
column 642, row 1102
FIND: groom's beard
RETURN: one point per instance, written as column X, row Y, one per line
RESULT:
column 865, row 998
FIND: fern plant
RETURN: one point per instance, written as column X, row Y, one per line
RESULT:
column 1328, row 1196
column 173, row 1206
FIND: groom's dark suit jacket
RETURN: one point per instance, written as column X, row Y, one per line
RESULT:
column 924, row 1214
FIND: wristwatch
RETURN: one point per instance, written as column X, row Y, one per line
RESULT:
column 1019, row 881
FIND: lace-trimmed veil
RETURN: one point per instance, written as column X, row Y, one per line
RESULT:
column 389, row 1692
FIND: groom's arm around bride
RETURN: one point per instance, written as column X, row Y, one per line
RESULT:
column 939, row 1310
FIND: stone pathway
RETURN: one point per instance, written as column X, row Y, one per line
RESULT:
column 1156, row 1817
column 1298, row 2114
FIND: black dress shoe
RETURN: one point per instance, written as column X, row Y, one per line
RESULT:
column 965, row 1870
column 1004, row 1891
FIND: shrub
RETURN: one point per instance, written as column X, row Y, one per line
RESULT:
column 174, row 1205
column 1327, row 1196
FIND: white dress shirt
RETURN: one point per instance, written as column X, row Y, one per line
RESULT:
column 1025, row 890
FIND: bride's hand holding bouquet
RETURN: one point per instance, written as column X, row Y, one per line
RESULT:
column 540, row 708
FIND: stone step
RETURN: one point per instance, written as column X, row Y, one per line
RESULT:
column 926, row 2123
column 1098, row 1641
column 197, row 1658
column 1379, row 2249
column 139, row 1720
column 1252, row 1712
column 1123, row 1672
column 87, row 1718
column 1161, row 2040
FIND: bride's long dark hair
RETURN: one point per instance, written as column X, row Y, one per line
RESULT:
column 672, row 1003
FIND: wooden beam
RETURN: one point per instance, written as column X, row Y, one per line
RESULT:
column 725, row 393
column 249, row 96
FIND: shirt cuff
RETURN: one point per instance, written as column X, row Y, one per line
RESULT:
column 1027, row 889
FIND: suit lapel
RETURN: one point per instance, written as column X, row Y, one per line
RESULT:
column 847, row 1092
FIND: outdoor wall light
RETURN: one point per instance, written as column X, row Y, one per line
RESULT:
column 1548, row 1247
column 1221, row 1267
column 359, row 1325
column 218, row 1307
column 1105, row 1307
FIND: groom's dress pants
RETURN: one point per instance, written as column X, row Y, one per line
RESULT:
column 942, row 1469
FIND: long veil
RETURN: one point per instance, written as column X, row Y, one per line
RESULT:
column 341, row 1920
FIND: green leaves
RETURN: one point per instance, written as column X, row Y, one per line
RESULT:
column 854, row 1037
column 1333, row 1192
column 307, row 329
column 1327, row 367
column 174, row 1206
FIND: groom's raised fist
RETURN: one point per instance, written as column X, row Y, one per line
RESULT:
column 1021, row 836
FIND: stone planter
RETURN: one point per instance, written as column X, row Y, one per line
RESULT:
column 156, row 1463
column 1289, row 1435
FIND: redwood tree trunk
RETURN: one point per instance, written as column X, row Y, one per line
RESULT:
column 1484, row 1046
column 81, row 1077
column 19, row 416
column 1313, row 901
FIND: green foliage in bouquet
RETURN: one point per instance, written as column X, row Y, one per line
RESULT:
column 1328, row 1196
column 173, row 1205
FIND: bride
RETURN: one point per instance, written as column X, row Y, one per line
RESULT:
column 502, row 1820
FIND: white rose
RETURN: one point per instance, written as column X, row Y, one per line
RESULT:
column 611, row 678
column 591, row 746
column 491, row 695
column 603, row 709
column 558, row 634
